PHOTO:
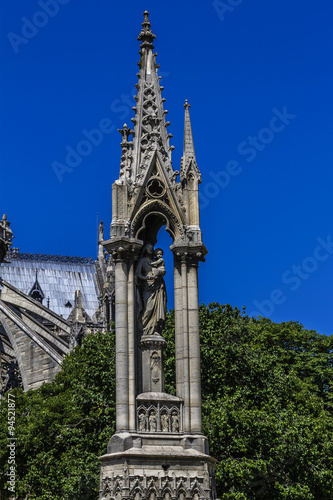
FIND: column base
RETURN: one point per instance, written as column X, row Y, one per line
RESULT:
column 124, row 441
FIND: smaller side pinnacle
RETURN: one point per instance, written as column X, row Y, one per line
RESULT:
column 188, row 137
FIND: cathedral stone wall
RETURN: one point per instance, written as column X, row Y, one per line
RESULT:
column 35, row 364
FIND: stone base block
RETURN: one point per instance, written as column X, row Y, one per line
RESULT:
column 157, row 472
column 123, row 441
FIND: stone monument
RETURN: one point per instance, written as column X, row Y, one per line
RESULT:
column 158, row 450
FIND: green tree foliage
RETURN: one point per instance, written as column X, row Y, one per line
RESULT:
column 63, row 427
column 267, row 412
column 267, row 406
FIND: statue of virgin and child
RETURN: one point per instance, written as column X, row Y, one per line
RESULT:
column 151, row 296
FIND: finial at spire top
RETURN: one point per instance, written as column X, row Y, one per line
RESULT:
column 146, row 36
column 187, row 105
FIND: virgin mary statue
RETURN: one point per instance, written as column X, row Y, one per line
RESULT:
column 151, row 294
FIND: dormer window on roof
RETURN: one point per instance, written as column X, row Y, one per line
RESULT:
column 36, row 291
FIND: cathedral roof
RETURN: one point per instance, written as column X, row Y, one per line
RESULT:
column 58, row 276
column 12, row 255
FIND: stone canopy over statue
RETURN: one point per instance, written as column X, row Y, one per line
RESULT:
column 151, row 293
column 158, row 450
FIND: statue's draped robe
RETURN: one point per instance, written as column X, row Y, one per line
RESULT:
column 152, row 299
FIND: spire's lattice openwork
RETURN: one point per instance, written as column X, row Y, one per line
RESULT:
column 150, row 126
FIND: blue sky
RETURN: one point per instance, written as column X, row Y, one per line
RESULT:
column 259, row 78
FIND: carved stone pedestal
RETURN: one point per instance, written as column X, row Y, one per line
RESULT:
column 155, row 472
column 160, row 460
column 152, row 363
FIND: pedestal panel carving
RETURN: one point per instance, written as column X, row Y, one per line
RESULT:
column 167, row 483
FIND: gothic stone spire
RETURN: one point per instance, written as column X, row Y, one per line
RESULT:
column 150, row 127
column 147, row 180
column 146, row 171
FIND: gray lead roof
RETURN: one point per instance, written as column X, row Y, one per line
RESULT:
column 58, row 276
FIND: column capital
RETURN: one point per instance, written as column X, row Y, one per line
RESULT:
column 152, row 341
column 191, row 253
column 123, row 249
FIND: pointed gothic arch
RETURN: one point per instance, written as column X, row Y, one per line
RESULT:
column 167, row 493
column 147, row 226
column 151, row 217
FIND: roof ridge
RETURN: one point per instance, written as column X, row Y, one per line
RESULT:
column 14, row 255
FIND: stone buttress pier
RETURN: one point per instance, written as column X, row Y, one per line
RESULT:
column 158, row 450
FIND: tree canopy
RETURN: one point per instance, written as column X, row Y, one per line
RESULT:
column 267, row 412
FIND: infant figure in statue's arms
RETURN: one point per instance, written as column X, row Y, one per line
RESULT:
column 158, row 264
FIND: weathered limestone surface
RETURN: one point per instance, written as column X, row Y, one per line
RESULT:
column 158, row 450
column 6, row 235
column 15, row 297
column 159, row 471
column 36, row 364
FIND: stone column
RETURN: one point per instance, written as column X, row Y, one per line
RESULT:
column 131, row 347
column 179, row 344
column 186, row 368
column 122, row 400
column 194, row 347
